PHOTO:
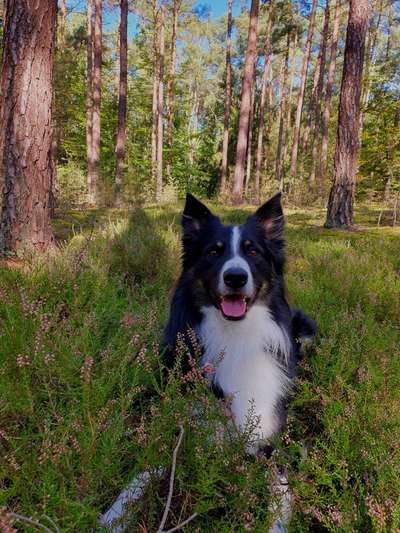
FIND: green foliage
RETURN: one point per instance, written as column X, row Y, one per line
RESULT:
column 86, row 405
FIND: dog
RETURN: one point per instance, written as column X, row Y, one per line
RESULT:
column 231, row 293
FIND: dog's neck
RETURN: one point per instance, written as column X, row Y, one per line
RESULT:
column 250, row 359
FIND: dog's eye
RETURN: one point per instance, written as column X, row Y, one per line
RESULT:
column 216, row 250
column 252, row 252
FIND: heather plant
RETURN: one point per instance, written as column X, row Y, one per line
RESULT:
column 86, row 404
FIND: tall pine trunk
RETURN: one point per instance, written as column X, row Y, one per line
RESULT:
column 171, row 87
column 154, row 123
column 320, row 88
column 340, row 205
column 250, row 137
column 160, row 106
column 290, row 103
column 264, row 84
column 328, row 92
column 245, row 104
column 96, row 133
column 26, row 131
column 300, row 98
column 227, row 101
column 89, row 96
column 282, row 110
column 122, row 100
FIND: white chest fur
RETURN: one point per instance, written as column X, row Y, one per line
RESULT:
column 247, row 369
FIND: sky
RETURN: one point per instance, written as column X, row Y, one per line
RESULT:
column 111, row 18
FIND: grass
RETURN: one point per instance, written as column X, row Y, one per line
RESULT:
column 85, row 404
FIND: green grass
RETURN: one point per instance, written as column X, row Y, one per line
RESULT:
column 85, row 405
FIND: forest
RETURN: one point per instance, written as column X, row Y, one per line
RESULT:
column 110, row 113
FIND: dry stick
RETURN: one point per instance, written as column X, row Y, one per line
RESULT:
column 171, row 490
column 182, row 524
column 30, row 521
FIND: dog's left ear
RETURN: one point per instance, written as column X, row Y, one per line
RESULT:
column 270, row 217
column 195, row 215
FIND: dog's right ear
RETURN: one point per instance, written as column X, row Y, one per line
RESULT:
column 195, row 215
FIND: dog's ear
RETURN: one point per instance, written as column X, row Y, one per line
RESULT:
column 270, row 217
column 195, row 215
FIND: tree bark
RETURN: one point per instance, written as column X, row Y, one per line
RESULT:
column 320, row 88
column 89, row 96
column 170, row 86
column 282, row 109
column 160, row 106
column 96, row 126
column 340, row 205
column 289, row 104
column 245, row 104
column 328, row 92
column 122, row 100
column 250, row 136
column 227, row 101
column 26, row 131
column 264, row 85
column 300, row 99
column 63, row 16
column 154, row 123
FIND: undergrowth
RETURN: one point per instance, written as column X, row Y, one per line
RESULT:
column 85, row 404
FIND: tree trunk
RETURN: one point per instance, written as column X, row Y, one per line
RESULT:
column 227, row 101
column 289, row 104
column 122, row 100
column 282, row 109
column 320, row 88
column 300, row 99
column 62, row 20
column 264, row 84
column 170, row 86
column 89, row 97
column 97, row 60
column 340, row 205
column 328, row 92
column 160, row 107
column 250, row 137
column 26, row 125
column 245, row 104
column 154, row 123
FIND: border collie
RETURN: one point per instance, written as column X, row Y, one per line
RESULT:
column 231, row 293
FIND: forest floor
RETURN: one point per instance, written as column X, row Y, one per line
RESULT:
column 85, row 405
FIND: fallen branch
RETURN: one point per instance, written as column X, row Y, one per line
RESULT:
column 30, row 521
column 171, row 491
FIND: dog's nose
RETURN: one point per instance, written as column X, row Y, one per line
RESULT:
column 235, row 278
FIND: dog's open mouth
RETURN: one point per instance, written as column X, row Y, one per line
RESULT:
column 233, row 306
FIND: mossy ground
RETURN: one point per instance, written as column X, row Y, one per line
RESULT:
column 85, row 404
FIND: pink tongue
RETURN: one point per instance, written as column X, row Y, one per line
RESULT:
column 233, row 307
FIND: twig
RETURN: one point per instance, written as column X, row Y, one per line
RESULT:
column 56, row 529
column 171, row 482
column 182, row 524
column 30, row 521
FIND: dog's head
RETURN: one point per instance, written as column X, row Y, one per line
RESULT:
column 232, row 267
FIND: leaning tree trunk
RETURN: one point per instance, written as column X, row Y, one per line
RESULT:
column 245, row 104
column 122, row 99
column 340, row 205
column 97, row 60
column 26, row 131
column 160, row 107
column 171, row 86
column 300, row 99
column 264, row 84
column 227, row 101
column 329, row 91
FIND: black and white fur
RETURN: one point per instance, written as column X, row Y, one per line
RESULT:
column 255, row 352
column 240, row 269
